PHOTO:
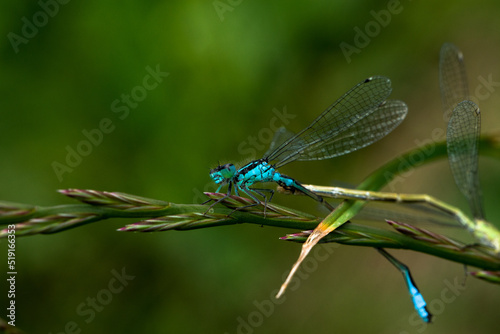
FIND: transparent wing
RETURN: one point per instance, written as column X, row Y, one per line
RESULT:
column 363, row 133
column 280, row 136
column 452, row 77
column 462, row 139
column 316, row 142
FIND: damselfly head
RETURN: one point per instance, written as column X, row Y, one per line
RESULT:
column 222, row 173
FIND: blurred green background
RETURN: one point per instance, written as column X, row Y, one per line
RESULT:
column 230, row 64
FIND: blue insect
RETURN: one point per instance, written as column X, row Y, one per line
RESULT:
column 416, row 297
column 359, row 118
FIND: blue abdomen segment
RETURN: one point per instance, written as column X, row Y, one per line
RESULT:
column 417, row 299
column 286, row 181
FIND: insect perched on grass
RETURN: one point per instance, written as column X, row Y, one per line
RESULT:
column 359, row 118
